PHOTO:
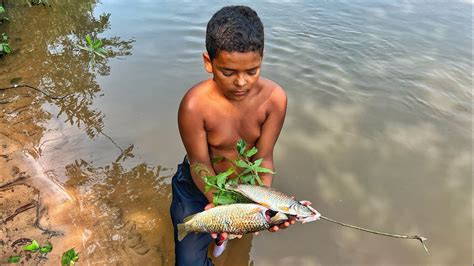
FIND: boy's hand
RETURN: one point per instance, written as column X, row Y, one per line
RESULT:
column 222, row 236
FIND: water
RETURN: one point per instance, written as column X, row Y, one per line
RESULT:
column 378, row 130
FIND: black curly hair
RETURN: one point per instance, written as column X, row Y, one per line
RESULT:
column 234, row 29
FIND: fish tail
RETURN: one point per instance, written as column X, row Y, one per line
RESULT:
column 181, row 231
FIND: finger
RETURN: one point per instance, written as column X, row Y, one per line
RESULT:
column 274, row 228
column 256, row 233
column 214, row 235
column 224, row 236
column 292, row 221
column 209, row 206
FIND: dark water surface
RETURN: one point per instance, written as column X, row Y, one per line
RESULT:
column 378, row 131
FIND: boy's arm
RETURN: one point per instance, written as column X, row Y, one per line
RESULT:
column 194, row 138
column 270, row 131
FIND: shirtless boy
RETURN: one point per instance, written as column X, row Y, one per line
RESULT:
column 214, row 114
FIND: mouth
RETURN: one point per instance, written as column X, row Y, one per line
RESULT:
column 239, row 92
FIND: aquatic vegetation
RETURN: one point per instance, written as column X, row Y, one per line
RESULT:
column 14, row 259
column 69, row 257
column 94, row 48
column 4, row 45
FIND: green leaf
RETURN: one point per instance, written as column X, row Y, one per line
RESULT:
column 207, row 187
column 223, row 199
column 2, row 9
column 46, row 248
column 241, row 163
column 221, row 177
column 241, row 145
column 34, row 246
column 89, row 40
column 247, row 179
column 14, row 259
column 257, row 163
column 69, row 256
column 263, row 170
column 97, row 44
column 6, row 48
column 251, row 152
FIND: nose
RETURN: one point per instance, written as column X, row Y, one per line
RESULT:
column 240, row 81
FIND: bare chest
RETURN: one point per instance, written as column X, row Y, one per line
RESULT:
column 225, row 128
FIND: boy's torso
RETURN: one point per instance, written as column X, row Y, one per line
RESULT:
column 225, row 122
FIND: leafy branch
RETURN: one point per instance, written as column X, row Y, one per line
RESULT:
column 94, row 47
column 245, row 170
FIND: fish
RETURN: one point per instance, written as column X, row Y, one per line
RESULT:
column 234, row 219
column 277, row 201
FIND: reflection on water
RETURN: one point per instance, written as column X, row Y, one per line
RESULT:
column 377, row 132
column 124, row 212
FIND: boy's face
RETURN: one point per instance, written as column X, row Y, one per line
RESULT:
column 235, row 73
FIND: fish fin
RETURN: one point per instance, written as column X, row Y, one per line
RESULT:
column 284, row 208
column 187, row 218
column 264, row 204
column 305, row 202
column 181, row 231
column 219, row 249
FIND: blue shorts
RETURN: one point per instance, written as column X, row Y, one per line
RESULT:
column 188, row 200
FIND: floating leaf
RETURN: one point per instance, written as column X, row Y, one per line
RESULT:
column 34, row 246
column 89, row 40
column 69, row 257
column 46, row 248
column 14, row 259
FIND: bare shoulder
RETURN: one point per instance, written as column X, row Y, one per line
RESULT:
column 196, row 97
column 276, row 94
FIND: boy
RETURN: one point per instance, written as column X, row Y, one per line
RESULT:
column 214, row 114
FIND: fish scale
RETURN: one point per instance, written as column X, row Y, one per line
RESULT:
column 236, row 219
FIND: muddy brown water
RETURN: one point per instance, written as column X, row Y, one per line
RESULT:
column 378, row 131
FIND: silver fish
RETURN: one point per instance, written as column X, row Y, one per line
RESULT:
column 235, row 219
column 277, row 201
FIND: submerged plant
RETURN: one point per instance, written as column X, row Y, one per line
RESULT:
column 94, row 47
column 4, row 45
column 246, row 172
column 69, row 257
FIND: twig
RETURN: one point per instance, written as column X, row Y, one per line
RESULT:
column 20, row 210
column 9, row 182
column 39, row 226
column 36, row 89
column 418, row 237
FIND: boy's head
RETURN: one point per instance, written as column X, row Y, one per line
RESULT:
column 234, row 29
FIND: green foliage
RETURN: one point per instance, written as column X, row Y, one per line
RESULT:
column 2, row 9
column 246, row 172
column 14, row 259
column 46, row 248
column 39, row 2
column 69, row 257
column 94, row 47
column 33, row 247
column 4, row 45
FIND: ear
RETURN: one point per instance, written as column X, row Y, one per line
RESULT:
column 207, row 62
